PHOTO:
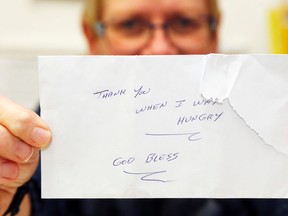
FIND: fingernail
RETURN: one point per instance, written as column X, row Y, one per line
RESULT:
column 24, row 152
column 41, row 136
column 8, row 170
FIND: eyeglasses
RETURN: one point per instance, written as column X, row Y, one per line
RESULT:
column 134, row 33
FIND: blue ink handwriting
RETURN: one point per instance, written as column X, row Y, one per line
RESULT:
column 179, row 103
column 191, row 136
column 152, row 107
column 153, row 157
column 120, row 161
column 205, row 102
column 107, row 93
column 147, row 176
column 140, row 91
column 203, row 117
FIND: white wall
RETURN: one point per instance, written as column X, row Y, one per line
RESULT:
column 19, row 81
column 38, row 27
column 29, row 28
column 245, row 25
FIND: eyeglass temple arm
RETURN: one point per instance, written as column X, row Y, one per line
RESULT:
column 99, row 28
column 212, row 23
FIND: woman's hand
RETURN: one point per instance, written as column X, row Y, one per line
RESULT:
column 22, row 134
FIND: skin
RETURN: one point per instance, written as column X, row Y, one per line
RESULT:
column 157, row 12
column 23, row 133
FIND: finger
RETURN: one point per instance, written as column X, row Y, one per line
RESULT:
column 14, row 174
column 8, row 170
column 12, row 148
column 24, row 123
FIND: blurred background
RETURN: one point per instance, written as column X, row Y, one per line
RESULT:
column 29, row 28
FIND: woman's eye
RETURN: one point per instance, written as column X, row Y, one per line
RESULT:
column 130, row 24
column 184, row 24
column 132, row 27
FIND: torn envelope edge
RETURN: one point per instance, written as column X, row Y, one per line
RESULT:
column 256, row 87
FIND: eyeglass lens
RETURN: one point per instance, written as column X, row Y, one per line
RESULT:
column 182, row 31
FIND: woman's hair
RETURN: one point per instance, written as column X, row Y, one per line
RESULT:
column 93, row 11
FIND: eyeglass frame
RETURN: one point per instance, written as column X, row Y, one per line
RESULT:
column 210, row 20
column 99, row 27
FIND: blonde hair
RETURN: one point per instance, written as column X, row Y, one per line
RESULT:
column 93, row 11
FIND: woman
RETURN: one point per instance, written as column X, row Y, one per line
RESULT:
column 129, row 27
column 137, row 27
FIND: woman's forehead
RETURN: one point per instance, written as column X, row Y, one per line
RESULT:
column 114, row 8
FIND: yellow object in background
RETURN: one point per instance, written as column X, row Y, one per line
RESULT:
column 278, row 26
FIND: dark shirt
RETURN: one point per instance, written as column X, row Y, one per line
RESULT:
column 151, row 207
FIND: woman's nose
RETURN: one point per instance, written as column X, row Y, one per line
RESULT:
column 159, row 44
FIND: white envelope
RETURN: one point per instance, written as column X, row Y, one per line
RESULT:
column 196, row 126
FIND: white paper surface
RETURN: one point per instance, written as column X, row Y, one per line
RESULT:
column 140, row 126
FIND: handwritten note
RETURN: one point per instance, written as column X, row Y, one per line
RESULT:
column 164, row 126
